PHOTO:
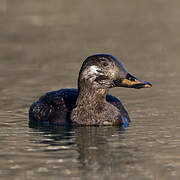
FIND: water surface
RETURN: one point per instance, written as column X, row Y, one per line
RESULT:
column 42, row 45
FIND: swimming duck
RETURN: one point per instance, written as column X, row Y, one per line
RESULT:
column 90, row 104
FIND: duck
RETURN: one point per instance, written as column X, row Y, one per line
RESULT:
column 90, row 104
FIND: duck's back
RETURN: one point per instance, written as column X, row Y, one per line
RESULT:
column 55, row 107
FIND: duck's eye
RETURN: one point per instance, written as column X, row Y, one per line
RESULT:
column 105, row 64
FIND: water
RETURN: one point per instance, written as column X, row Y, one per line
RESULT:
column 42, row 45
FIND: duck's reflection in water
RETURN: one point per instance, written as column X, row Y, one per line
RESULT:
column 94, row 144
column 97, row 148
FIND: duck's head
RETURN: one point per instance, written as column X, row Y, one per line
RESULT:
column 104, row 71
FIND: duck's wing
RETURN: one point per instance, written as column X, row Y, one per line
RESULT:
column 117, row 103
column 54, row 107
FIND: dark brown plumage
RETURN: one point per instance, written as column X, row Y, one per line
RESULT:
column 89, row 104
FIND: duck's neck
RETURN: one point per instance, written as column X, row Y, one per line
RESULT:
column 91, row 96
column 90, row 104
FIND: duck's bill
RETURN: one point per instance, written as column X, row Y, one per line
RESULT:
column 131, row 82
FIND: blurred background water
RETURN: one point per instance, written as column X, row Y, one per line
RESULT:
column 42, row 46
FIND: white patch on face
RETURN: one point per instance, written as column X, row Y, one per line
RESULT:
column 91, row 72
